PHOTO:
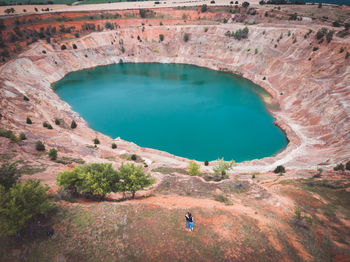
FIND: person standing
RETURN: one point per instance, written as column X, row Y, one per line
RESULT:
column 190, row 219
column 187, row 220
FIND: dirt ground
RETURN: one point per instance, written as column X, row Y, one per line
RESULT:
column 258, row 223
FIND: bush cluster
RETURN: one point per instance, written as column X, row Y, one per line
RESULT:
column 20, row 204
column 9, row 134
column 279, row 170
column 98, row 179
column 239, row 34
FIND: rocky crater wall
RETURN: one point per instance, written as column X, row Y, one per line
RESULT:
column 313, row 94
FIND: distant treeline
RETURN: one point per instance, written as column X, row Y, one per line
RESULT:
column 303, row 2
column 52, row 2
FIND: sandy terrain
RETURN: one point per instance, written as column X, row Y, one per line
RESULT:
column 117, row 6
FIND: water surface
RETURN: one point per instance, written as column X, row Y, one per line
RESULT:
column 185, row 110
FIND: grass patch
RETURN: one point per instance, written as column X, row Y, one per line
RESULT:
column 223, row 199
column 170, row 170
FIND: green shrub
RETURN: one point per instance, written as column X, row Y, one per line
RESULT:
column 47, row 125
column 29, row 121
column 221, row 168
column 96, row 179
column 321, row 33
column 245, row 4
column 336, row 24
column 22, row 136
column 315, row 48
column 8, row 175
column 63, row 47
column 109, row 25
column 73, row 124
column 193, row 169
column 143, row 13
column 206, row 163
column 133, row 178
column 347, row 165
column 204, row 8
column 238, row 34
column 114, row 145
column 206, row 29
column 9, row 134
column 329, row 36
column 339, row 167
column 279, row 170
column 57, row 121
column 186, row 37
column 74, row 46
column 53, row 154
column 223, row 199
column 39, row 146
column 96, row 141
column 347, row 55
column 133, row 157
column 25, row 98
column 161, row 37
column 341, row 50
column 21, row 205
column 297, row 213
column 253, row 176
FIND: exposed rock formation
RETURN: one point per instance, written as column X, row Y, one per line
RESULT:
column 313, row 95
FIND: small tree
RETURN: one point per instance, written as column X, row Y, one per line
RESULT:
column 206, row 163
column 245, row 4
column 347, row 165
column 74, row 46
column 71, row 180
column 39, row 146
column 57, row 121
column 96, row 179
column 63, row 47
column 186, row 37
column 221, row 168
column 279, row 170
column 193, row 169
column 53, row 154
column 204, row 8
column 109, row 25
column 133, row 178
column 99, row 179
column 8, row 175
column 96, row 141
column 114, row 145
column 29, row 121
column 339, row 167
column 143, row 13
column 22, row 136
column 161, row 37
column 73, row 124
column 21, row 205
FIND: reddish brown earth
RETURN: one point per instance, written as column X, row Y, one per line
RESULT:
column 310, row 100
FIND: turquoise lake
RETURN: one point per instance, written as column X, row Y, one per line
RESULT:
column 185, row 110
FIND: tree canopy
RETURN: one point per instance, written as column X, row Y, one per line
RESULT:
column 21, row 204
column 99, row 179
column 133, row 178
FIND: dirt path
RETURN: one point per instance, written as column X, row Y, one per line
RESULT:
column 116, row 6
